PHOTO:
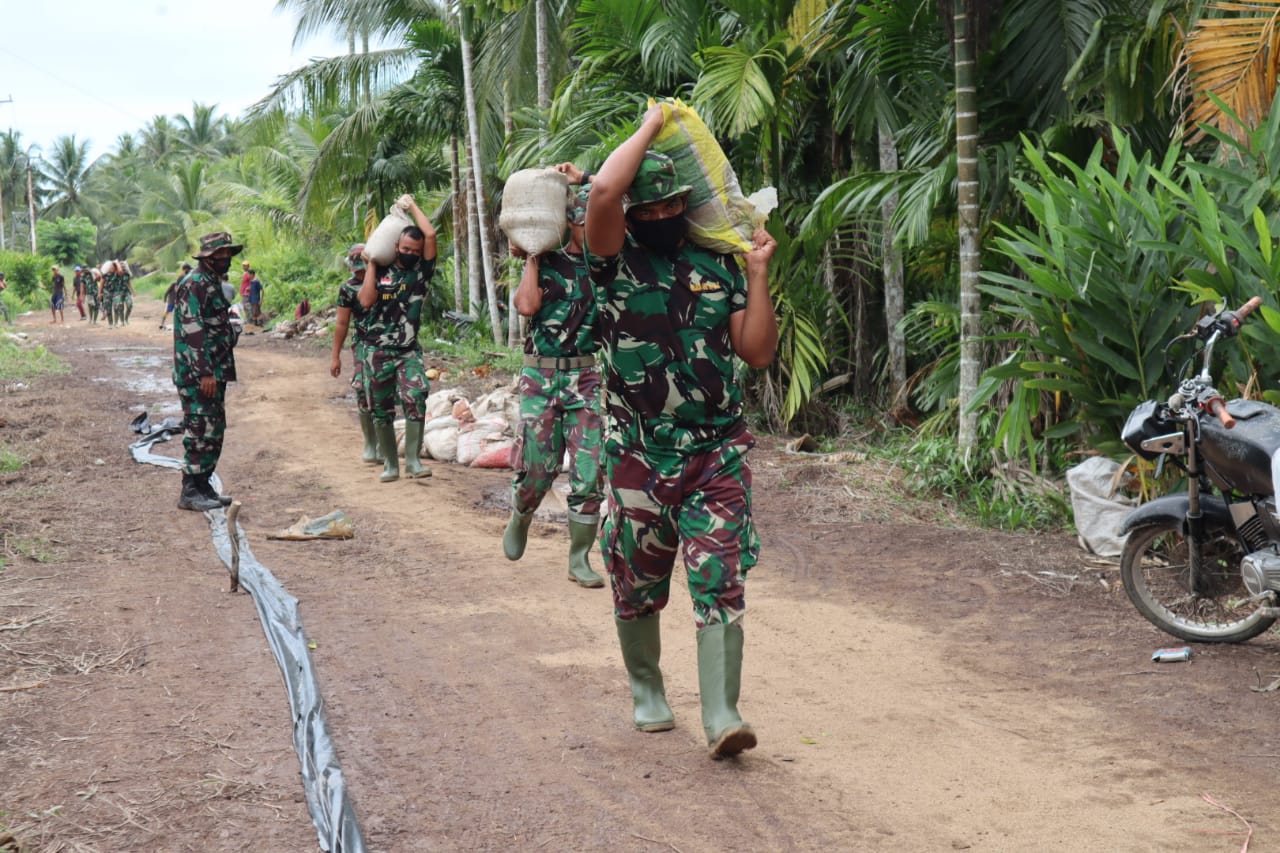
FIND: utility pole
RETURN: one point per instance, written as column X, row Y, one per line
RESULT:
column 31, row 207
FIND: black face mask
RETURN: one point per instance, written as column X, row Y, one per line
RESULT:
column 660, row 235
column 407, row 260
column 219, row 265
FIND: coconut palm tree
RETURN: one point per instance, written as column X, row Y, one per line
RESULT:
column 15, row 160
column 66, row 170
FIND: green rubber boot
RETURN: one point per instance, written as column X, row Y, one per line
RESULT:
column 370, row 453
column 517, row 534
column 413, row 466
column 582, row 535
column 390, row 456
column 641, row 643
column 719, row 680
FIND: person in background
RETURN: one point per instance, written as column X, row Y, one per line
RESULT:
column 673, row 317
column 4, row 309
column 172, row 289
column 559, row 393
column 126, row 291
column 246, row 278
column 203, row 363
column 350, row 309
column 58, row 284
column 394, row 295
column 94, row 286
column 255, row 299
column 79, row 287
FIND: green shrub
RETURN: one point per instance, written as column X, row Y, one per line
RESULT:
column 27, row 274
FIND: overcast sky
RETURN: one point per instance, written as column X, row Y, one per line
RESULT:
column 100, row 68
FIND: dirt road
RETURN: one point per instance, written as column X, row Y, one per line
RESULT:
column 916, row 686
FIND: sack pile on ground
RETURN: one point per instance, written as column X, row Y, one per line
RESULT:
column 313, row 325
column 479, row 434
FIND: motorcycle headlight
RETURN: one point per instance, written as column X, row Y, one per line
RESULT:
column 1146, row 421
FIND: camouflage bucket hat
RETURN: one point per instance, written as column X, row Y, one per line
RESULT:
column 576, row 208
column 655, row 180
column 211, row 243
column 354, row 260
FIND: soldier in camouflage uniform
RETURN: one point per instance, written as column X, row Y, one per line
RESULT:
column 672, row 317
column 349, row 308
column 559, row 394
column 203, row 364
column 93, row 285
column 107, row 302
column 126, row 292
column 393, row 296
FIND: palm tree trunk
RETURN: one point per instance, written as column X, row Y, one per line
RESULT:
column 2, row 216
column 967, row 198
column 891, row 256
column 473, row 255
column 543, row 60
column 473, row 130
column 459, row 220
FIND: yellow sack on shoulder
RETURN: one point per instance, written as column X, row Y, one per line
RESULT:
column 720, row 217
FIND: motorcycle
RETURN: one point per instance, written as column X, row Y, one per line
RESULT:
column 1204, row 565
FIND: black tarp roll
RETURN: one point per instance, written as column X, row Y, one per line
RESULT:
column 322, row 779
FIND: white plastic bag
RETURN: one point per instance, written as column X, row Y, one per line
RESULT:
column 533, row 209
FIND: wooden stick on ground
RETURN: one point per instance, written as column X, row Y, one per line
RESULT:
column 234, row 535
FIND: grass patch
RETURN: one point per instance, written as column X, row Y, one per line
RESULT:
column 11, row 460
column 34, row 548
column 27, row 362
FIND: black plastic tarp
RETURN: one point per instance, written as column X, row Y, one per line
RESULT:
column 322, row 779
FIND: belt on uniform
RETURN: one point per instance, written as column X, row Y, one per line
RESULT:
column 573, row 362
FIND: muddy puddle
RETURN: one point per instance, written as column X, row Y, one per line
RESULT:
column 144, row 370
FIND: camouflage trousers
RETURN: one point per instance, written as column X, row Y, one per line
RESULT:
column 357, row 377
column 559, row 410
column 392, row 374
column 204, row 421
column 699, row 504
column 107, row 305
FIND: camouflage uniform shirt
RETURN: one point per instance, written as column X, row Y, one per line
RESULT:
column 394, row 320
column 664, row 329
column 565, row 325
column 348, row 293
column 202, row 334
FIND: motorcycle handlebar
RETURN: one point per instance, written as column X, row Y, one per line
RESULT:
column 1217, row 407
column 1248, row 308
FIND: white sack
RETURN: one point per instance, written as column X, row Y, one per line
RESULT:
column 1098, row 513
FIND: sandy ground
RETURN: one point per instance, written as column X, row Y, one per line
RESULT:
column 916, row 686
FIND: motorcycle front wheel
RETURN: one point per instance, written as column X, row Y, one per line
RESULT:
column 1156, row 575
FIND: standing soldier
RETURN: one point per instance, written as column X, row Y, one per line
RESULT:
column 203, row 364
column 559, row 393
column 349, row 307
column 393, row 296
column 672, row 317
